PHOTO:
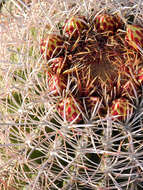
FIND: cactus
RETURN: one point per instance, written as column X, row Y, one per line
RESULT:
column 55, row 65
column 50, row 46
column 106, row 23
column 135, row 36
column 71, row 105
column 69, row 109
column 75, row 25
column 121, row 108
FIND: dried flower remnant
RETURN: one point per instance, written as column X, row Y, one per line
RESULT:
column 51, row 46
column 140, row 76
column 120, row 108
column 68, row 108
column 134, row 36
column 55, row 84
column 106, row 23
column 75, row 25
column 56, row 65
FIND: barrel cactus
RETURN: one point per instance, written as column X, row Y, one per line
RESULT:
column 71, row 97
